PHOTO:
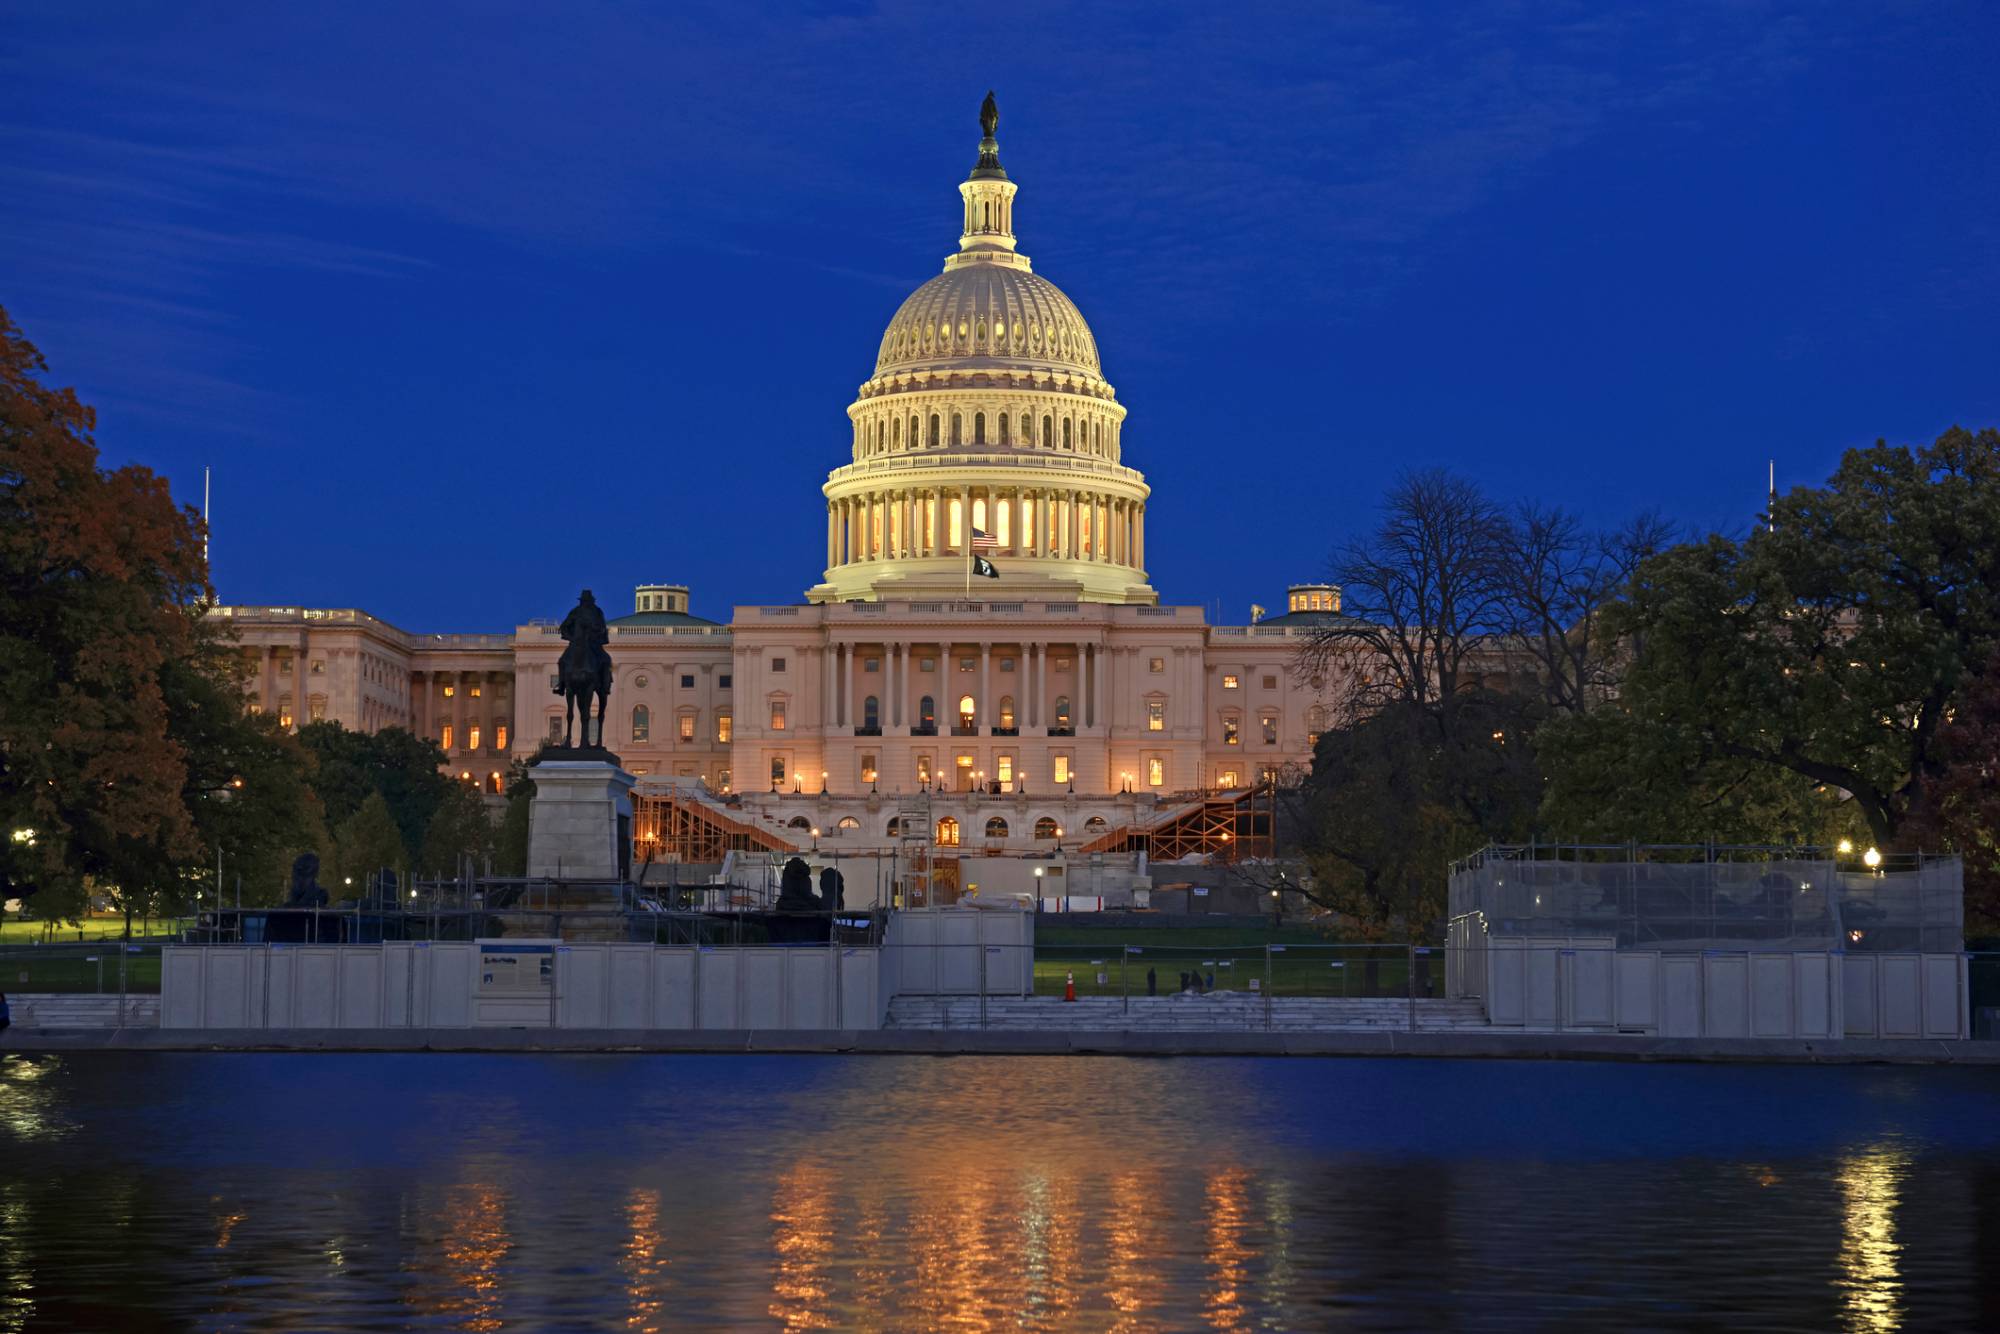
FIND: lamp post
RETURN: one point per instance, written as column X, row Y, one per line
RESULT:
column 1039, row 871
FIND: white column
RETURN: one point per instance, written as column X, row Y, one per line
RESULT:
column 987, row 713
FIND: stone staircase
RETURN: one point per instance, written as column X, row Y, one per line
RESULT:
column 62, row 1010
column 1214, row 1013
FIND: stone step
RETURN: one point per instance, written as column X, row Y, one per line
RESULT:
column 69, row 1010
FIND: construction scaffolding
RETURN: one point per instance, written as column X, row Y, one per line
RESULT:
column 1224, row 826
column 681, row 824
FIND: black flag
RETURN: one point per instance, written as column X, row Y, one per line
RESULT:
column 984, row 568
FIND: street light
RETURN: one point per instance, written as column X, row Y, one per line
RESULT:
column 1872, row 859
column 1844, row 847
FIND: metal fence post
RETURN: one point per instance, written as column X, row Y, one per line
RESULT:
column 124, row 947
column 1124, row 991
column 1267, row 984
column 979, row 943
column 1410, row 981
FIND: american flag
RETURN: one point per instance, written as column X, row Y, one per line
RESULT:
column 983, row 541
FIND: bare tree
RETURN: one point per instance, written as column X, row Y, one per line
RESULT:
column 1421, row 595
column 1559, row 579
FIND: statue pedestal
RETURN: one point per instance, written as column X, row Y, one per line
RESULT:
column 580, row 820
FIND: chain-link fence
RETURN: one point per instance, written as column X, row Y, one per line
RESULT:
column 98, row 967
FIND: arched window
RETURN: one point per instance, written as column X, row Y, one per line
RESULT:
column 978, row 428
column 848, row 822
column 896, row 434
column 800, row 822
column 957, row 429
column 1003, row 428
column 1006, row 710
column 642, row 723
column 493, row 782
column 1315, row 723
column 1046, row 827
column 1095, row 825
column 996, row 828
column 936, row 426
column 1048, row 433
column 915, row 431
column 1068, row 442
column 979, row 514
column 1027, row 429
column 947, row 832
column 894, row 829
column 871, row 712
column 1062, row 710
column 966, row 710
column 955, row 528
column 927, row 712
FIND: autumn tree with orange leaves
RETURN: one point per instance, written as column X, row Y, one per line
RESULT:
column 123, row 738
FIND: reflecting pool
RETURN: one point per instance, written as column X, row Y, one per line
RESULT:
column 312, row 1192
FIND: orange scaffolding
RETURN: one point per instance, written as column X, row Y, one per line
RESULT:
column 667, row 827
column 1225, row 825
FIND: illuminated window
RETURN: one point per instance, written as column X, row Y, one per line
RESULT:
column 867, row 768
column 1227, row 778
column 777, row 770
column 499, row 736
column 968, row 664
column 1046, row 828
column 1156, row 771
column 472, row 737
column 1156, row 665
column 1003, row 768
column 966, row 710
column 1006, row 710
column 1156, row 715
column 1229, row 737
column 474, row 692
column 1000, row 513
column 319, row 667
column 777, row 715
column 687, row 727
column 1062, row 710
column 284, row 715
column 1315, row 724
column 493, row 782
column 894, row 829
column 1062, row 664
column 956, row 511
column 449, row 691
column 642, row 723
column 923, row 769
column 722, row 727
column 445, row 736
column 996, row 827
column 1229, row 681
column 947, row 832
column 316, row 708
column 848, row 822
column 1269, row 722
column 1062, row 768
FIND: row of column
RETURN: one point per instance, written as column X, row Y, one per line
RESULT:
column 1053, row 522
column 840, row 707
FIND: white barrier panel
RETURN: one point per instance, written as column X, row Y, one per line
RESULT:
column 1904, row 996
column 439, row 985
column 938, row 952
column 1587, row 986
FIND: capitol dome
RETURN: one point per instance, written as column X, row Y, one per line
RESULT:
column 987, row 420
column 987, row 314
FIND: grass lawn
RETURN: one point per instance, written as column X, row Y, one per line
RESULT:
column 15, row 931
column 70, row 968
column 1297, row 971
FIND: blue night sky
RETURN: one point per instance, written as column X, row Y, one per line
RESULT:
column 423, row 282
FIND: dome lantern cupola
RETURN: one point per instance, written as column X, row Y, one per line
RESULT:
column 989, row 204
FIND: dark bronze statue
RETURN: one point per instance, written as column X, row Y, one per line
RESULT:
column 989, row 147
column 306, row 892
column 585, row 669
column 795, row 888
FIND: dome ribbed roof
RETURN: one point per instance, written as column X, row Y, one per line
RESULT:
column 988, row 315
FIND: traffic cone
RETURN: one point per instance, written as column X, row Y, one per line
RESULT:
column 1069, row 986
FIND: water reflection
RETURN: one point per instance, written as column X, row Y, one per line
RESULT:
column 1869, row 1183
column 925, row 1195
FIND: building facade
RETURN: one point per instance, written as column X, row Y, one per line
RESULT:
column 986, row 438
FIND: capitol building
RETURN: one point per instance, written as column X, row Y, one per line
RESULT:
column 1056, row 708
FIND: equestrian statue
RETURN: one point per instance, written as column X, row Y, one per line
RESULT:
column 584, row 670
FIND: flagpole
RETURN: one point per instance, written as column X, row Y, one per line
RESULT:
column 968, row 557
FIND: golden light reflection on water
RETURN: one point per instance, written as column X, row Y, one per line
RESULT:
column 29, row 1100
column 475, row 1245
column 1228, row 1256
column 17, row 1279
column 644, row 1264
column 1870, row 1183
column 802, row 1219
column 1131, row 1271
